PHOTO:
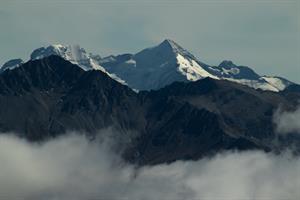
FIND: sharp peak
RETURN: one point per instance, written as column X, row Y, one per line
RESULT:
column 226, row 63
column 175, row 48
column 167, row 40
column 170, row 42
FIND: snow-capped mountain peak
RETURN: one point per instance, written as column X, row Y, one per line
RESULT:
column 72, row 53
column 156, row 67
column 173, row 45
column 76, row 55
column 175, row 48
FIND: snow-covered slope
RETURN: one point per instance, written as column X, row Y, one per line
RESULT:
column 156, row 67
column 72, row 53
column 278, row 82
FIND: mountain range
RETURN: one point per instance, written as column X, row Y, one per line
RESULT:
column 184, row 109
column 156, row 67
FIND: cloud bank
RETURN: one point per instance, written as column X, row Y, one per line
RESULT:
column 72, row 167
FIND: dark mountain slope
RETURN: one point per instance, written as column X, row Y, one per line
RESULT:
column 45, row 98
column 189, row 120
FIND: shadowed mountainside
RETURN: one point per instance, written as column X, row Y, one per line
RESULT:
column 45, row 98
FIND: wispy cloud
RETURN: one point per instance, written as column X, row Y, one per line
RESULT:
column 287, row 121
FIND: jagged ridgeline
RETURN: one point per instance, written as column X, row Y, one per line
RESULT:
column 156, row 67
column 47, row 97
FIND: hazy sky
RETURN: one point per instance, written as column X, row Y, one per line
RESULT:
column 263, row 34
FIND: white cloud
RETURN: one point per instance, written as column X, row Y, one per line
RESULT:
column 287, row 121
column 71, row 167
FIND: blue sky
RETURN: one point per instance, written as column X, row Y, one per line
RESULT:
column 262, row 34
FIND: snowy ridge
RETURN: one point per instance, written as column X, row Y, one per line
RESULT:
column 156, row 67
column 73, row 53
column 76, row 55
column 193, row 72
column 256, row 84
column 277, row 82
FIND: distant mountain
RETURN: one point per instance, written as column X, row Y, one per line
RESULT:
column 156, row 67
column 73, row 53
column 47, row 97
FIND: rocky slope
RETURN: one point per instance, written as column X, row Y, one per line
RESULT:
column 47, row 97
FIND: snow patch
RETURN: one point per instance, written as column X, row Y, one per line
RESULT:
column 276, row 82
column 191, row 69
column 131, row 62
column 231, row 71
column 76, row 55
column 256, row 84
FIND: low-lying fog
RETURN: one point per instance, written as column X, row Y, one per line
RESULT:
column 71, row 167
